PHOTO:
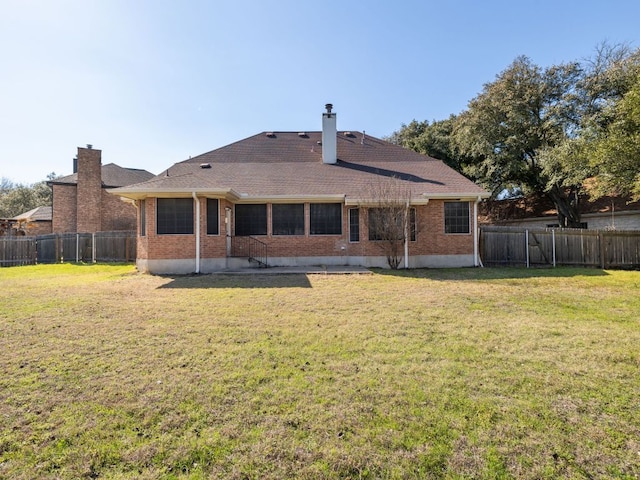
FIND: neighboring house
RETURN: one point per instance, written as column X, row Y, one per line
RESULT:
column 606, row 213
column 80, row 201
column 33, row 222
column 306, row 196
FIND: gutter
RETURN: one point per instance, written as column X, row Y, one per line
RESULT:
column 407, row 235
column 195, row 199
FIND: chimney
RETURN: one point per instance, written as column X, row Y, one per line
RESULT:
column 329, row 136
column 89, row 190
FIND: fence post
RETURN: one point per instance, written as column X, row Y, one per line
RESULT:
column 77, row 247
column 553, row 246
column 603, row 264
column 93, row 248
column 526, row 238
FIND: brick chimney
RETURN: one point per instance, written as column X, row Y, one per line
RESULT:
column 89, row 193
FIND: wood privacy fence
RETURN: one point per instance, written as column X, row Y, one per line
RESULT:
column 68, row 247
column 553, row 246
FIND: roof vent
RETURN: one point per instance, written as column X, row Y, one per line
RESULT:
column 271, row 135
column 303, row 135
column 349, row 134
column 89, row 146
column 205, row 165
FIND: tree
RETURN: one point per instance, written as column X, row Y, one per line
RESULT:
column 18, row 198
column 389, row 218
column 433, row 139
column 527, row 110
column 615, row 153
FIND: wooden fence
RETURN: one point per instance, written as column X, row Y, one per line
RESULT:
column 552, row 246
column 68, row 247
column 16, row 251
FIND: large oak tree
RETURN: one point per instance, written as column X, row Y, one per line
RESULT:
column 527, row 110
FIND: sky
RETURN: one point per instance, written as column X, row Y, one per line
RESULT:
column 153, row 82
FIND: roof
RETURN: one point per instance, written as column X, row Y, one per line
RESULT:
column 288, row 165
column 112, row 176
column 38, row 214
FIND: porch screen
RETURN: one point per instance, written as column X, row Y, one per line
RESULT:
column 287, row 219
column 325, row 218
column 251, row 219
column 175, row 216
column 456, row 217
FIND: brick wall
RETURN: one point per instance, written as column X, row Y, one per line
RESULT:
column 89, row 196
column 64, row 210
column 431, row 239
column 38, row 228
column 87, row 207
column 116, row 214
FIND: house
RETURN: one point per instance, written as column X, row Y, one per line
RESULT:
column 303, row 198
column 80, row 201
column 535, row 211
column 34, row 222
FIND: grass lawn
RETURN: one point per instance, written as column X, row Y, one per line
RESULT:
column 469, row 373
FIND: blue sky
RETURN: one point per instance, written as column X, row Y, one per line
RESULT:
column 151, row 83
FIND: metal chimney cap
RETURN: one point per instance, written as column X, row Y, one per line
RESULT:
column 89, row 146
column 328, row 106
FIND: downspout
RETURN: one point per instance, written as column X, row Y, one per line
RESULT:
column 476, row 257
column 195, row 199
column 407, row 233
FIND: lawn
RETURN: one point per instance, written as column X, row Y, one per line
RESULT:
column 469, row 373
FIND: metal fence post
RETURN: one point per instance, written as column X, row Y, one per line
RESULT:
column 526, row 238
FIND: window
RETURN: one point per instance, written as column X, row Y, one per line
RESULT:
column 143, row 218
column 354, row 225
column 251, row 219
column 325, row 218
column 456, row 217
column 412, row 224
column 213, row 222
column 376, row 223
column 287, row 219
column 175, row 216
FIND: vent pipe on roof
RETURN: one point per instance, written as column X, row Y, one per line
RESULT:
column 329, row 136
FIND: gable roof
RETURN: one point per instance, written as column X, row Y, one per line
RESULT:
column 38, row 214
column 280, row 166
column 112, row 176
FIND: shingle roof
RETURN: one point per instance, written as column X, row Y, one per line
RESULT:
column 112, row 176
column 37, row 214
column 289, row 164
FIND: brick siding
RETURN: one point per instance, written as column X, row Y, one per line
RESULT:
column 89, row 200
column 430, row 239
column 65, row 205
column 87, row 207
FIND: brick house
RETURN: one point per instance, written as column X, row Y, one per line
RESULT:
column 306, row 198
column 34, row 222
column 80, row 201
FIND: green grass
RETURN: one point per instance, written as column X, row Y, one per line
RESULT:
column 470, row 373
